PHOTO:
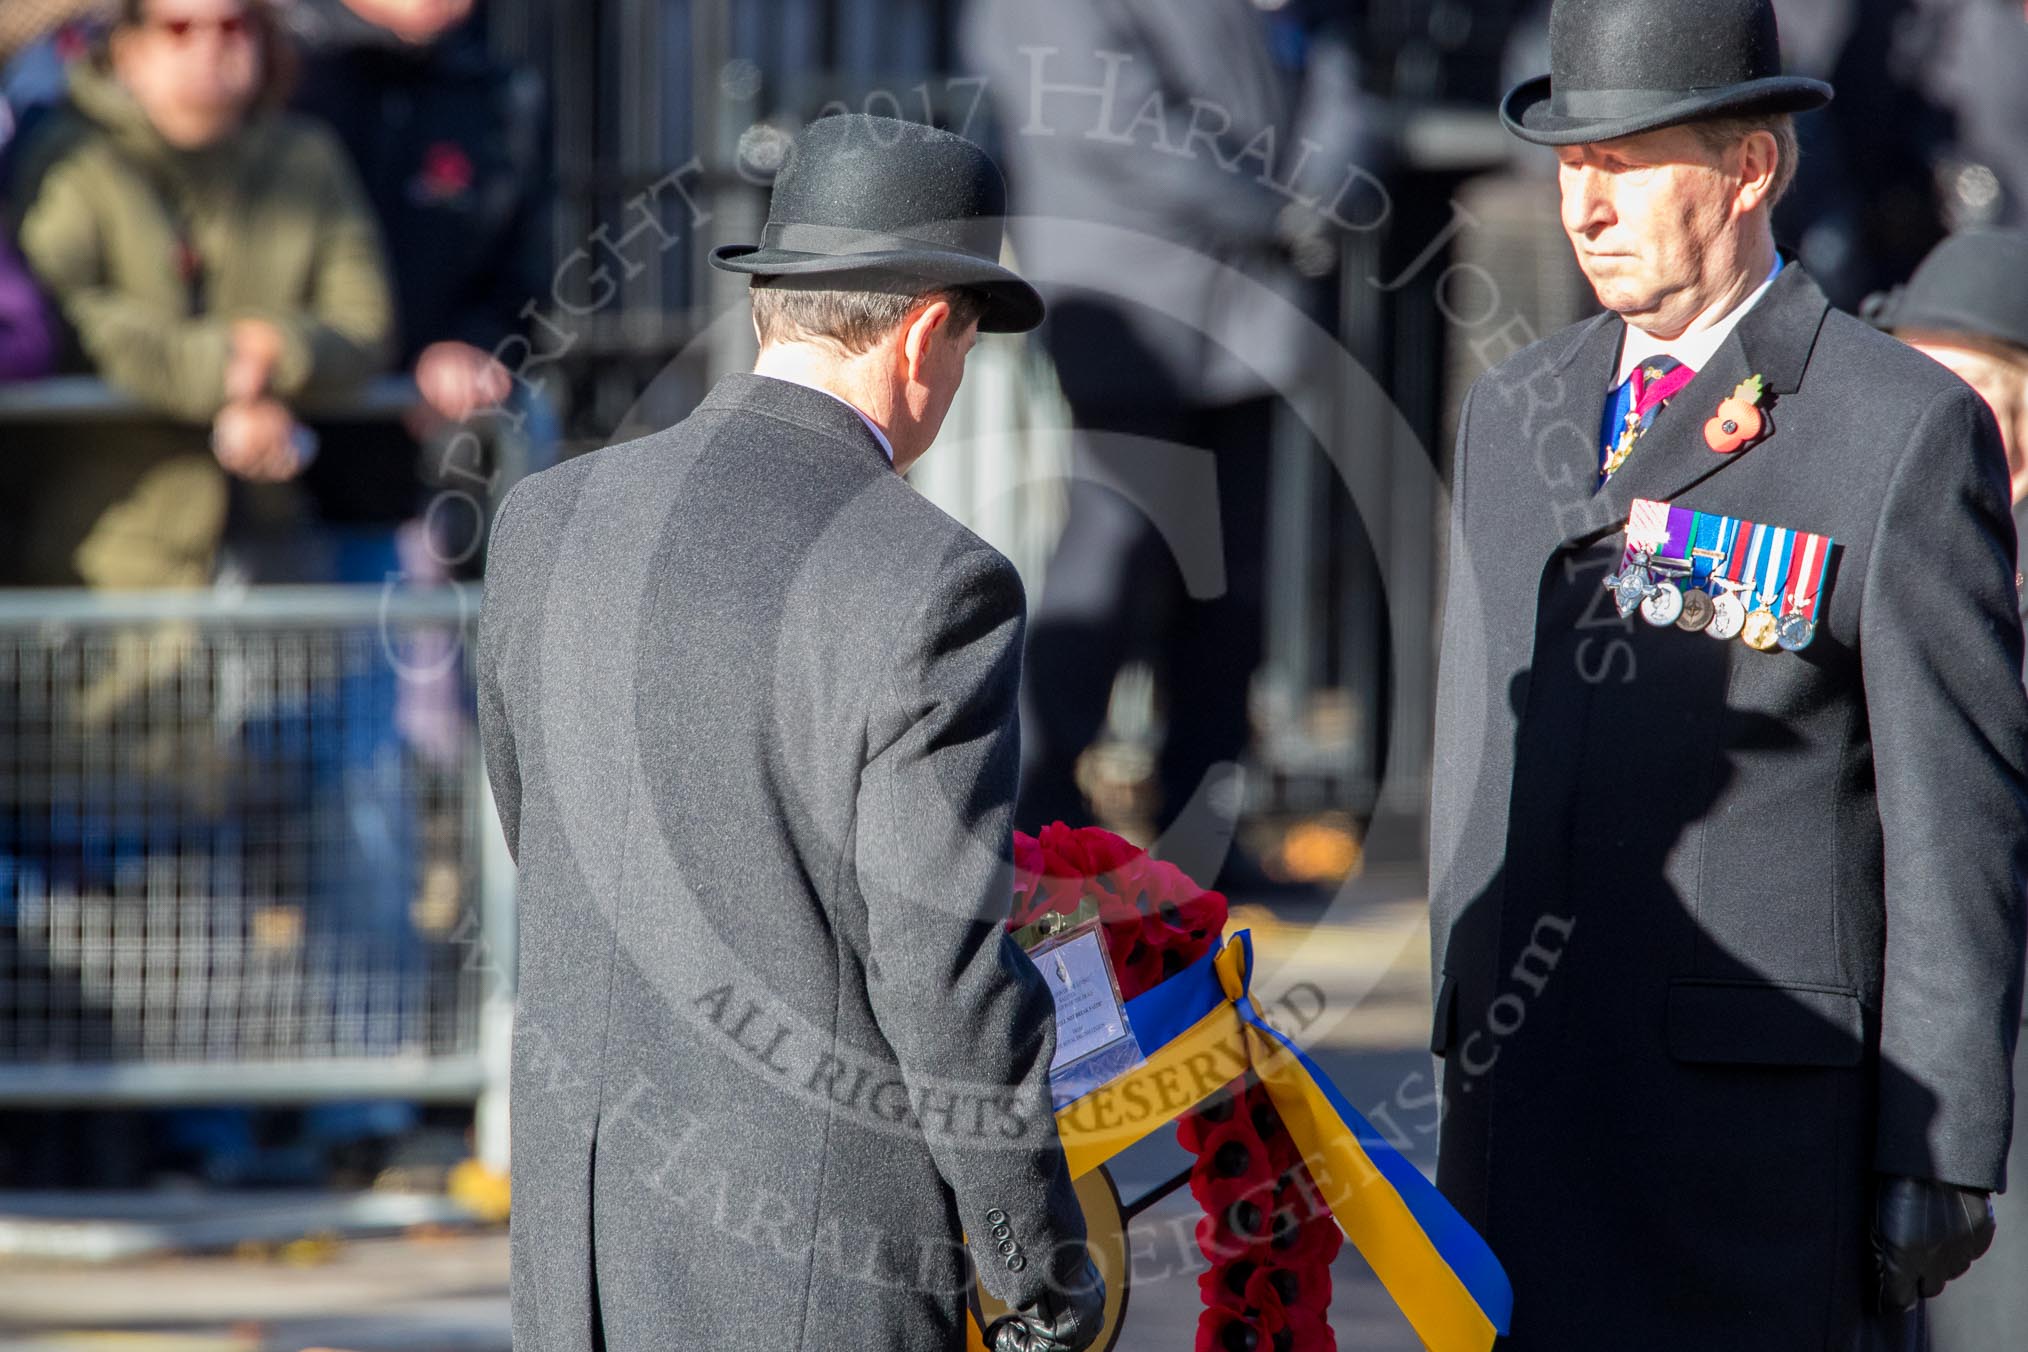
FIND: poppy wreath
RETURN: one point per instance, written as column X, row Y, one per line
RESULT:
column 1268, row 1238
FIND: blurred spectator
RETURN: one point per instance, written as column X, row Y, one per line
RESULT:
column 1170, row 358
column 37, row 39
column 450, row 146
column 216, row 260
column 1967, row 306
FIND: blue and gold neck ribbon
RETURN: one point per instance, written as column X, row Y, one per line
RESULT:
column 1632, row 407
column 1200, row 1030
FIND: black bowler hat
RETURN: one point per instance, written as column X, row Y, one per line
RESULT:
column 1975, row 283
column 1620, row 67
column 881, row 204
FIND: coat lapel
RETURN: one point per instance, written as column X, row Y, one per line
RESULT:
column 1774, row 341
column 1567, row 451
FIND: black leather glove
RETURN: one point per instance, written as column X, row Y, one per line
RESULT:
column 1926, row 1233
column 1066, row 1318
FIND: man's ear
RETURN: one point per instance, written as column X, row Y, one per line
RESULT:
column 930, row 325
column 1759, row 160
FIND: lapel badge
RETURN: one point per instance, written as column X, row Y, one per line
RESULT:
column 1740, row 420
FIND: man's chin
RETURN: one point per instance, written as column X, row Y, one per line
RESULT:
column 1616, row 295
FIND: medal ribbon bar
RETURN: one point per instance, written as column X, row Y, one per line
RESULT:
column 1810, row 574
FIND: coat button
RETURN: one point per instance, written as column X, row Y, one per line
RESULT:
column 1008, row 1246
column 1002, row 1232
column 1016, row 1263
column 995, row 1216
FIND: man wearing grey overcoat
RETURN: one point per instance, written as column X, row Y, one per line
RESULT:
column 780, row 1081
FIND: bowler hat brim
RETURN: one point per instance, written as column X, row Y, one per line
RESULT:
column 1012, row 305
column 1526, row 111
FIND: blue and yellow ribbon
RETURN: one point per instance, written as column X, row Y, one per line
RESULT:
column 1200, row 1030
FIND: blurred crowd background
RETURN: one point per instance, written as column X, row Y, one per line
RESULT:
column 292, row 292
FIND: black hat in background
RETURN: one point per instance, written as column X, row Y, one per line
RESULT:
column 878, row 204
column 1975, row 284
column 1621, row 67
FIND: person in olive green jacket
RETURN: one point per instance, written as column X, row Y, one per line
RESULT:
column 218, row 262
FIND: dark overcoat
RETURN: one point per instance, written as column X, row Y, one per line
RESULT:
column 748, row 705
column 1722, row 934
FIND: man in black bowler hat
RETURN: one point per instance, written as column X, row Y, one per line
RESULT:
column 748, row 704
column 1726, row 906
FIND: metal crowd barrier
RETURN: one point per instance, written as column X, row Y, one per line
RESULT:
column 247, row 854
column 65, row 399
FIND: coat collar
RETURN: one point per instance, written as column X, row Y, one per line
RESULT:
column 745, row 392
column 1774, row 341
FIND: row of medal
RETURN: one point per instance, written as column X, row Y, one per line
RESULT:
column 1721, row 576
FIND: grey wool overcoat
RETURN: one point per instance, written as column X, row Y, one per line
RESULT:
column 1724, row 934
column 748, row 705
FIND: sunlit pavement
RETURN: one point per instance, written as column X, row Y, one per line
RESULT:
column 1357, row 993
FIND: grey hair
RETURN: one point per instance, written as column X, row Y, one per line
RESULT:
column 1721, row 134
column 851, row 320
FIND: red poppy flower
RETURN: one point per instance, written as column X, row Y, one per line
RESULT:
column 1310, row 1331
column 1311, row 1243
column 1114, row 909
column 1138, row 966
column 1204, row 916
column 1273, row 1322
column 1224, row 1285
column 1739, row 421
column 1226, row 1330
column 1288, row 1288
column 1083, row 852
column 1196, row 1126
column 1236, row 1230
column 1232, row 1158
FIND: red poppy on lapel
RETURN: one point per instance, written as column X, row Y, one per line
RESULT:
column 1740, row 420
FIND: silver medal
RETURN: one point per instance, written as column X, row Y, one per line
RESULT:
column 1664, row 605
column 1728, row 617
column 1796, row 632
column 1631, row 586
